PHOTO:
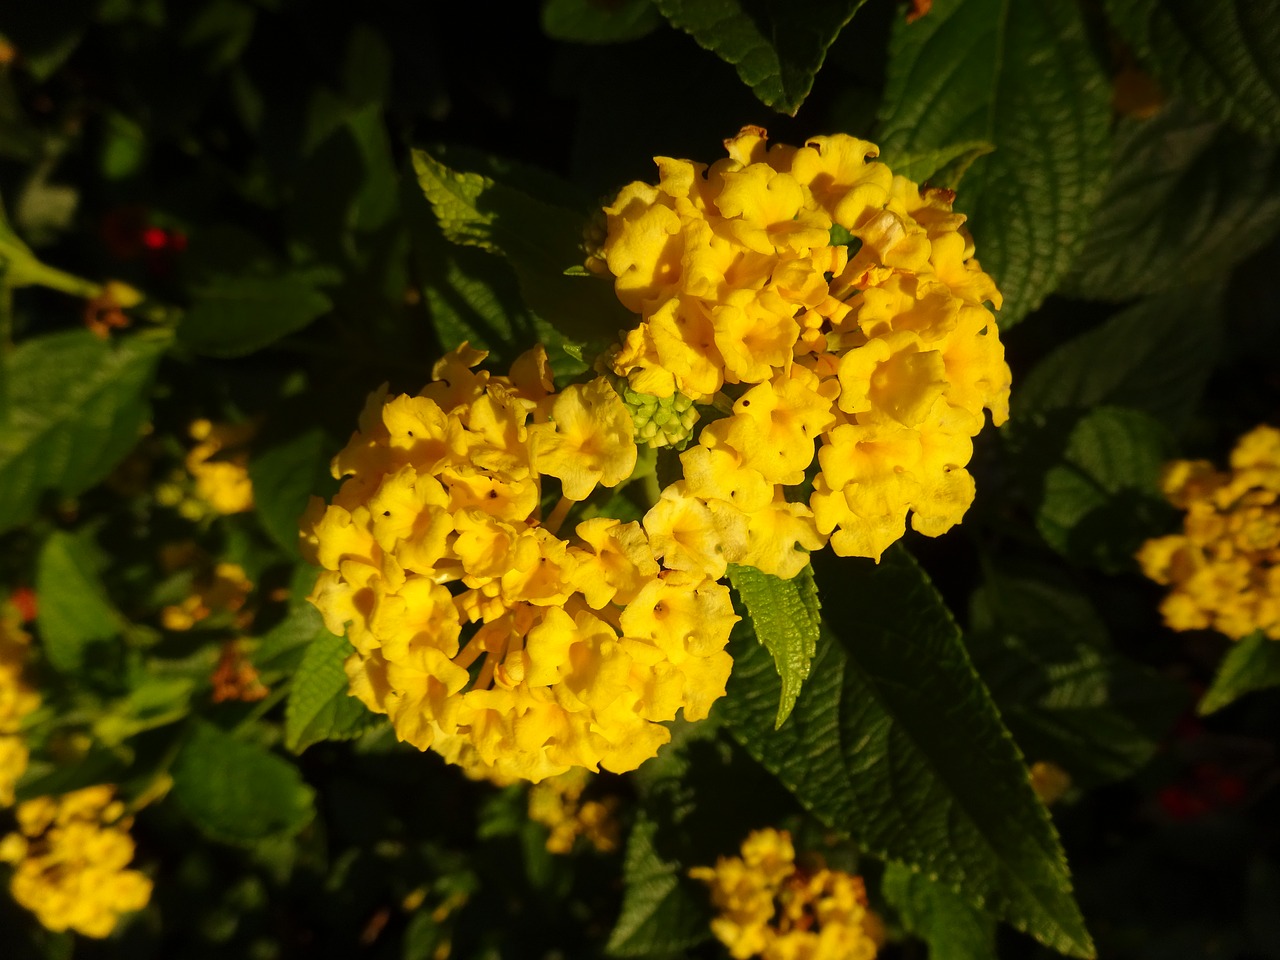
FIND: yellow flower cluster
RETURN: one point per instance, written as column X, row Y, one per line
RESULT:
column 222, row 589
column 481, row 632
column 17, row 701
column 773, row 909
column 557, row 804
column 219, row 463
column 70, row 860
column 831, row 303
column 1224, row 567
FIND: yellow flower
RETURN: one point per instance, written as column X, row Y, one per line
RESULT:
column 768, row 907
column 734, row 274
column 475, row 627
column 70, row 862
column 590, row 440
column 557, row 804
column 219, row 464
column 1222, row 568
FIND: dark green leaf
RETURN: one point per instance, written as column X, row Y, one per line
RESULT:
column 953, row 928
column 1251, row 664
column 74, row 609
column 599, row 21
column 320, row 704
column 776, row 50
column 238, row 792
column 76, row 405
column 1066, row 695
column 1155, row 357
column 539, row 239
column 1188, row 198
column 663, row 911
column 284, row 476
column 1100, row 499
column 1020, row 76
column 1221, row 56
column 940, row 166
column 895, row 740
column 784, row 617
column 232, row 316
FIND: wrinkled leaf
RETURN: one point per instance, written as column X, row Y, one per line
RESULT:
column 952, row 927
column 1250, row 664
column 1188, row 198
column 776, row 51
column 896, row 741
column 1020, row 76
column 76, row 405
column 320, row 705
column 238, row 792
column 784, row 617
column 1221, row 56
column 74, row 609
column 1156, row 357
column 232, row 316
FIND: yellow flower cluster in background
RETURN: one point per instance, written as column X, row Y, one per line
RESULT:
column 771, row 908
column 831, row 302
column 1224, row 568
column 70, row 862
column 557, row 804
column 477, row 629
column 17, row 701
column 219, row 463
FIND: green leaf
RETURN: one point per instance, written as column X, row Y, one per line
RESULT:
column 1155, row 357
column 238, row 792
column 74, row 609
column 1251, row 664
column 283, row 476
column 1021, row 76
column 940, row 166
column 1066, row 695
column 539, row 239
column 591, row 21
column 953, row 928
column 895, row 740
column 76, row 405
column 776, row 50
column 784, row 617
column 232, row 316
column 1221, row 56
column 320, row 704
column 663, row 911
column 1188, row 198
column 1100, row 499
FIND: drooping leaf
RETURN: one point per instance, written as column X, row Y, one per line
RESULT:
column 776, row 50
column 1251, row 664
column 1020, row 76
column 238, row 792
column 895, row 740
column 1067, row 696
column 232, row 316
column 590, row 21
column 1188, row 198
column 284, row 476
column 1156, row 357
column 1220, row 56
column 320, row 705
column 74, row 609
column 76, row 405
column 663, row 911
column 785, row 618
column 1098, row 496
column 952, row 927
column 539, row 239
